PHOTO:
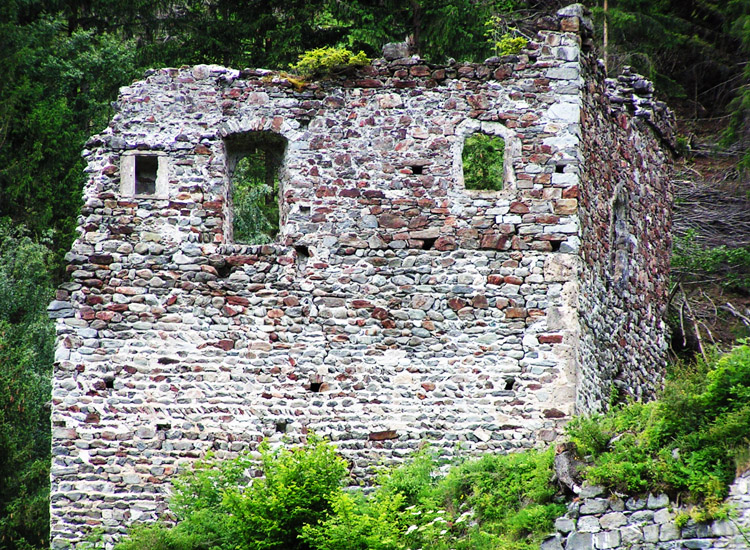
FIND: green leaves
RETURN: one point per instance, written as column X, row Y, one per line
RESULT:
column 26, row 351
column 327, row 62
column 686, row 442
column 255, row 190
column 483, row 157
column 220, row 508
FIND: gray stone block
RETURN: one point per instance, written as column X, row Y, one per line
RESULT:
column 699, row 543
column 579, row 541
column 589, row 524
column 669, row 531
column 630, row 534
column 553, row 542
column 651, row 533
column 594, row 506
column 607, row 539
column 613, row 520
column 565, row 525
column 657, row 501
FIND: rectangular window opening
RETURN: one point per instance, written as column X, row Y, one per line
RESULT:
column 146, row 169
column 483, row 161
column 255, row 164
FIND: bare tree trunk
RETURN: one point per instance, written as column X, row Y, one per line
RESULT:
column 605, row 33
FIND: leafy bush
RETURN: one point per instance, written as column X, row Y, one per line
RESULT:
column 326, row 62
column 298, row 489
column 687, row 442
column 218, row 509
column 357, row 523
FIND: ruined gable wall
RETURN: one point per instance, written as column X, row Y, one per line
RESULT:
column 626, row 201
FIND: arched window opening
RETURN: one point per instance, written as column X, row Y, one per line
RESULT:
column 254, row 162
column 483, row 159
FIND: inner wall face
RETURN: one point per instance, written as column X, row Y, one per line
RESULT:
column 395, row 308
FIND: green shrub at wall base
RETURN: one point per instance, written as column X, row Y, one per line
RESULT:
column 687, row 443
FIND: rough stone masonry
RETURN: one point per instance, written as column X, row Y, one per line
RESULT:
column 396, row 307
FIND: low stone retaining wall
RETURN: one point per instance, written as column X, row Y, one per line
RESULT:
column 596, row 521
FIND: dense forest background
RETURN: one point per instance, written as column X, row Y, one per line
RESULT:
column 63, row 61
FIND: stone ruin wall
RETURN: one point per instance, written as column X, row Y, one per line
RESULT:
column 396, row 307
column 601, row 521
column 625, row 215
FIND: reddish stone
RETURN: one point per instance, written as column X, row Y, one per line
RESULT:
column 478, row 102
column 241, row 260
column 276, row 313
column 291, row 301
column 94, row 299
column 105, row 315
column 566, row 207
column 350, row 193
column 381, row 436
column 547, row 218
column 92, row 418
column 550, row 338
column 379, row 313
column 480, row 301
column 391, row 221
column 202, row 150
column 570, row 192
column 445, row 243
column 369, row 83
column 495, row 279
column 570, row 24
column 86, row 313
column 503, row 72
column 238, row 301
column 512, row 280
column 553, row 413
column 518, row 208
column 456, row 304
column 515, row 313
column 360, row 304
column 226, row 345
column 229, row 312
column 102, row 259
column 428, row 386
column 419, row 70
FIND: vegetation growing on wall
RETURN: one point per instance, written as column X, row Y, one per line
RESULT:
column 326, row 62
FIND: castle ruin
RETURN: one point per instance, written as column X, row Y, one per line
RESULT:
column 395, row 307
